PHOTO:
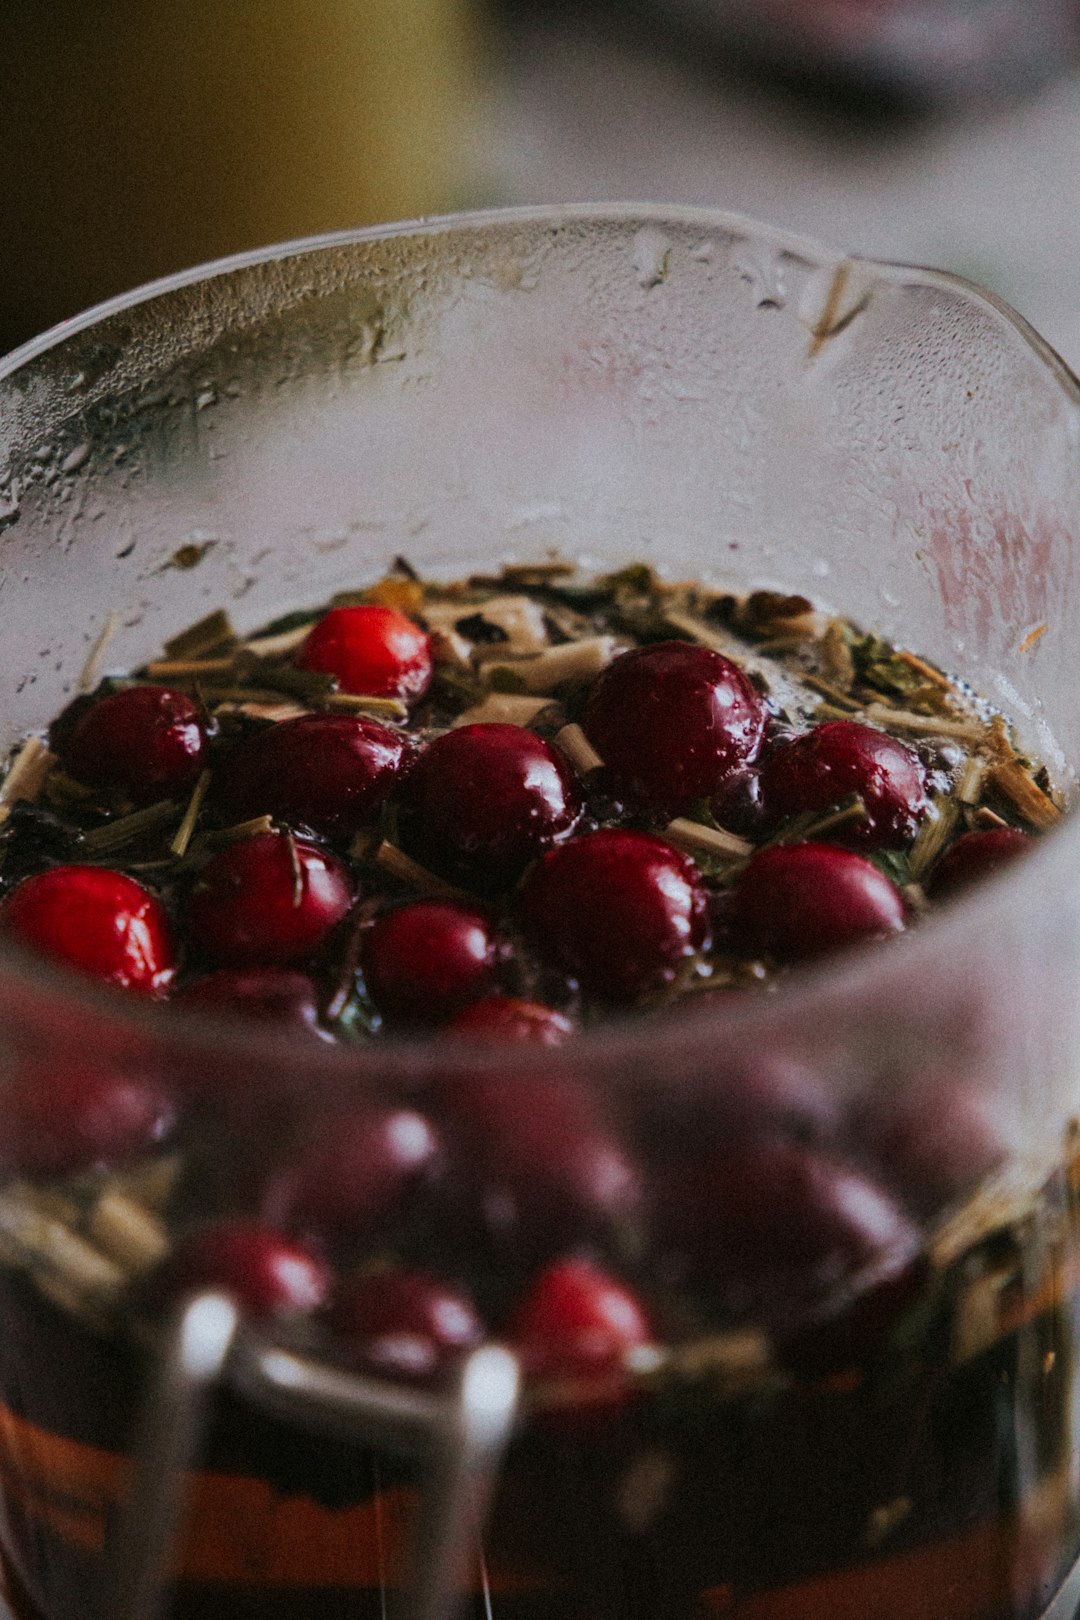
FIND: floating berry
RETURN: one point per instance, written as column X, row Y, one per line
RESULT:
column 267, row 1273
column 279, row 995
column 483, row 801
column 408, row 1323
column 767, row 1224
column 737, row 802
column 575, row 1327
column 617, row 910
column 146, row 742
column 422, row 961
column 976, row 855
column 71, row 1115
column 795, row 901
column 352, row 1183
column 270, row 899
column 821, row 767
column 670, row 720
column 98, row 921
column 538, row 1165
column 328, row 772
column 509, row 1018
column 371, row 649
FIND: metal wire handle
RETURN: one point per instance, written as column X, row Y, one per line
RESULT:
column 458, row 1435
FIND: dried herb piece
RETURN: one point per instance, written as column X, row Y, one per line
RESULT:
column 212, row 634
column 1011, row 782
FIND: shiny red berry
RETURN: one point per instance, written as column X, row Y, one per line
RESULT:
column 617, row 910
column 832, row 761
column 97, row 921
column 796, row 901
column 145, row 742
column 277, row 995
column 267, row 1273
column 670, row 720
column 424, row 960
column 271, row 899
column 371, row 649
column 483, row 801
column 355, row 1180
column 509, row 1018
column 70, row 1115
column 577, row 1324
column 409, row 1324
column 327, row 772
column 976, row 855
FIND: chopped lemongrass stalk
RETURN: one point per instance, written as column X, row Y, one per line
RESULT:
column 695, row 629
column 976, row 1323
column 209, row 635
column 997, row 739
column 358, row 703
column 182, row 836
column 399, row 865
column 695, row 839
column 572, row 741
column 126, row 829
column 180, row 669
column 739, row 1352
column 128, row 1233
column 985, row 817
column 216, row 695
column 537, row 573
column 91, row 670
column 450, row 647
column 926, row 725
column 970, row 782
column 26, row 775
column 812, row 825
column 935, row 832
column 915, row 895
column 837, row 698
column 505, row 708
column 262, row 711
column 1013, row 783
column 278, row 646
column 928, row 671
column 519, row 619
column 150, row 1184
column 578, row 661
column 223, row 836
column 836, row 654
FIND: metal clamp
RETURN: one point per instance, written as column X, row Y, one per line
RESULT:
column 457, row 1434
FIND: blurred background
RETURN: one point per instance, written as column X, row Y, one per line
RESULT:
column 139, row 138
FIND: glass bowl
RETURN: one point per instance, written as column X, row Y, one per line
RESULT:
column 727, row 402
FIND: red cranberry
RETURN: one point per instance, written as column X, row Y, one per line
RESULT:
column 769, row 1224
column 803, row 900
column 145, row 741
column 267, row 1273
column 69, row 1115
column 98, row 921
column 538, row 1164
column 422, row 961
column 670, row 720
column 407, row 1323
column 576, row 1325
column 976, row 855
column 483, row 801
column 618, row 910
column 329, row 772
column 352, row 1183
column 268, row 899
column 819, row 768
column 737, row 803
column 371, row 649
column 509, row 1018
column 279, row 995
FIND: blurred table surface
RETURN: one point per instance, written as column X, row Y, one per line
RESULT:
column 991, row 189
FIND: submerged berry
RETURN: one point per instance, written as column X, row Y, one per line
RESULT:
column 671, row 720
column 327, row 772
column 100, row 922
column 821, row 767
column 371, row 649
column 270, row 899
column 70, row 1115
column 349, row 1185
column 423, row 961
column 796, row 901
column 976, row 855
column 483, row 801
column 617, row 910
column 509, row 1018
column 574, row 1328
column 278, row 995
column 407, row 1323
column 267, row 1273
column 146, row 742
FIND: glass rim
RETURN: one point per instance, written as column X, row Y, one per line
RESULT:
column 665, row 1040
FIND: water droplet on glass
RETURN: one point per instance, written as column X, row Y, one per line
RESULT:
column 206, row 398
column 76, row 458
column 765, row 273
column 652, row 254
column 9, row 511
column 822, row 568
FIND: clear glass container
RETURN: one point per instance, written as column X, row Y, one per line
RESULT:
column 727, row 402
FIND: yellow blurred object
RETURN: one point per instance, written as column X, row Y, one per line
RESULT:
column 140, row 138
